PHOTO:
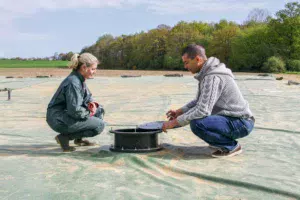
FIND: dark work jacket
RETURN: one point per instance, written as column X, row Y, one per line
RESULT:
column 70, row 100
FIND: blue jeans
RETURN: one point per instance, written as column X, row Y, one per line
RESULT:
column 221, row 131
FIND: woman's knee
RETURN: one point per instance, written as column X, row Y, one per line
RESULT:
column 100, row 127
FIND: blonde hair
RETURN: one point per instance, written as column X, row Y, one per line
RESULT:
column 85, row 58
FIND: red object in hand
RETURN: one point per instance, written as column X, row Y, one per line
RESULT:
column 96, row 104
column 92, row 106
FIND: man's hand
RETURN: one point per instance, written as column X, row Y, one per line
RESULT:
column 169, row 125
column 173, row 114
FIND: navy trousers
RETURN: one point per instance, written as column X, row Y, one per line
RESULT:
column 222, row 131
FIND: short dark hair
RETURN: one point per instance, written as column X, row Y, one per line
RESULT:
column 194, row 50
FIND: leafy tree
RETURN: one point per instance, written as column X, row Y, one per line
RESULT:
column 286, row 31
column 242, row 47
column 180, row 36
column 293, row 65
column 250, row 49
column 274, row 64
column 220, row 46
column 69, row 55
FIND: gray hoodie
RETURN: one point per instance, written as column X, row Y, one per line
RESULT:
column 218, row 94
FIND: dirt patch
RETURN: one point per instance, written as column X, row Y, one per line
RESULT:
column 292, row 77
column 33, row 72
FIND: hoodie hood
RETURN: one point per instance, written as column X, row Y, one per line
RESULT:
column 213, row 66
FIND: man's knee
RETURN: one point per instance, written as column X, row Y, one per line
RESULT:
column 193, row 125
column 197, row 127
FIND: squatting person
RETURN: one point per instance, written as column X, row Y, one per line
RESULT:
column 72, row 112
column 219, row 114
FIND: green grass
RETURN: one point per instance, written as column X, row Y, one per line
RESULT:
column 33, row 64
column 290, row 72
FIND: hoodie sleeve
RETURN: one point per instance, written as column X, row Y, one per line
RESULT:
column 74, row 101
column 209, row 94
column 188, row 106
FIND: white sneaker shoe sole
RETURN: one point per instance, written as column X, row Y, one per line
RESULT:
column 229, row 155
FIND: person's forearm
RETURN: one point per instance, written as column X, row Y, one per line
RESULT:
column 78, row 112
column 179, row 112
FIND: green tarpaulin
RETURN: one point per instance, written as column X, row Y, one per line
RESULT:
column 33, row 166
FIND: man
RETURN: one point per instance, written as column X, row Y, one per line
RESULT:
column 219, row 114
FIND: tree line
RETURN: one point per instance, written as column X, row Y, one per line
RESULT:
column 261, row 43
column 56, row 56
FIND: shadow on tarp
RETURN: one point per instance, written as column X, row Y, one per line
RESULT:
column 41, row 150
column 235, row 183
column 171, row 151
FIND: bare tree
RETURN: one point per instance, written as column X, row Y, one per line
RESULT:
column 258, row 15
column 164, row 26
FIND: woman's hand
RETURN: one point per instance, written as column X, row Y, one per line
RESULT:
column 92, row 107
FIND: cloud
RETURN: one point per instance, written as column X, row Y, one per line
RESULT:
column 181, row 7
column 11, row 10
column 16, row 9
column 21, row 8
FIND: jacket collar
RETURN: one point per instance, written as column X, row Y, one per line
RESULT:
column 81, row 78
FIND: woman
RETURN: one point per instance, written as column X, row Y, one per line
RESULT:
column 72, row 112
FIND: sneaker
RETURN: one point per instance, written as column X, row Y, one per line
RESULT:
column 81, row 142
column 214, row 147
column 63, row 141
column 221, row 153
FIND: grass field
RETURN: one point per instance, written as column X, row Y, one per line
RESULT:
column 289, row 72
column 33, row 64
column 9, row 64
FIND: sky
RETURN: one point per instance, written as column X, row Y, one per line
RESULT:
column 39, row 28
